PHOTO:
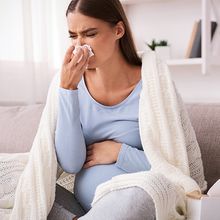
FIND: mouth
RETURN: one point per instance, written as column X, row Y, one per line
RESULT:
column 91, row 64
column 90, row 68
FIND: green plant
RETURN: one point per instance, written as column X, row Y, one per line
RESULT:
column 154, row 44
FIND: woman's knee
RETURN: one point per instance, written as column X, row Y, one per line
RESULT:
column 131, row 203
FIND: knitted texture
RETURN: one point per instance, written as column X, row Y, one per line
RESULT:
column 35, row 190
column 27, row 182
column 66, row 180
column 10, row 173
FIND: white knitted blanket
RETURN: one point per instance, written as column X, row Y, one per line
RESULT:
column 27, row 181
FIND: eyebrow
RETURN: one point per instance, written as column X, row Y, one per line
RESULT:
column 84, row 31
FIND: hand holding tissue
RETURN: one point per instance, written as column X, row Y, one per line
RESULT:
column 77, row 47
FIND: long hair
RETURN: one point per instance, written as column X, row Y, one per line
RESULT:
column 110, row 11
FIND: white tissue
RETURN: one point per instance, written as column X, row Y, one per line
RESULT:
column 77, row 47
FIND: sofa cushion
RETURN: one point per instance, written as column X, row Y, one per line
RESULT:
column 205, row 119
column 18, row 127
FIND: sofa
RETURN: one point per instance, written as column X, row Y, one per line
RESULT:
column 18, row 126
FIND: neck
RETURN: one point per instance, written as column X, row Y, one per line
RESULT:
column 115, row 73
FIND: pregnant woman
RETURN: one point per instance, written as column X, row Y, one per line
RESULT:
column 97, row 133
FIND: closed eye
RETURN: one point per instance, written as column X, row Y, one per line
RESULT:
column 72, row 37
column 87, row 35
column 91, row 35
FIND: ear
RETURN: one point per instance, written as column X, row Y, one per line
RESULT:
column 119, row 30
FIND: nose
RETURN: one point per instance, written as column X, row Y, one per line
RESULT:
column 80, row 41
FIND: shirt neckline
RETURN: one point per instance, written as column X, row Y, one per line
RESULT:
column 110, row 106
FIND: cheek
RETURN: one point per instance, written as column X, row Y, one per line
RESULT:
column 102, row 54
column 103, row 48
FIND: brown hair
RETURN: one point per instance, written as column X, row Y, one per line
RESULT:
column 110, row 11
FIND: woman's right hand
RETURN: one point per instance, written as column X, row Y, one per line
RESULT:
column 72, row 71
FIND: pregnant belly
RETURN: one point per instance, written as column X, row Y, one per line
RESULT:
column 88, row 179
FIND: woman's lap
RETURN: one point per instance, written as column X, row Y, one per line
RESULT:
column 131, row 203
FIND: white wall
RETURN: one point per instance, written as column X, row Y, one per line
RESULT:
column 173, row 20
column 33, row 44
column 170, row 20
column 195, row 87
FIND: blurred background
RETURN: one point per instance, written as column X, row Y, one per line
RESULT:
column 34, row 38
column 33, row 41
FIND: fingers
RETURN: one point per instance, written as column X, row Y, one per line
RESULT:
column 90, row 147
column 88, row 158
column 68, row 54
column 85, row 66
column 77, row 58
column 80, row 59
column 88, row 152
column 89, row 164
column 82, row 63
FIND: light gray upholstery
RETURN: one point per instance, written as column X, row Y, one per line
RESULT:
column 18, row 126
column 205, row 119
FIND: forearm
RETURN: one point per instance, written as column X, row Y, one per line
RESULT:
column 69, row 140
column 131, row 159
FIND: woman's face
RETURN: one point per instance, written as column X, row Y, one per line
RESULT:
column 102, row 38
